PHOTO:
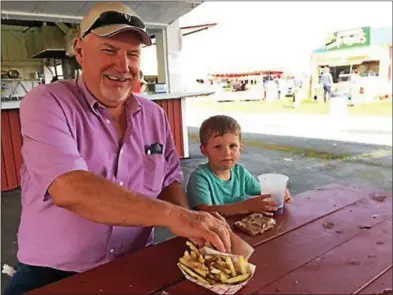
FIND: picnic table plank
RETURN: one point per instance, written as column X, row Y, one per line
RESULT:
column 296, row 248
column 384, row 281
column 307, row 207
column 343, row 269
column 141, row 272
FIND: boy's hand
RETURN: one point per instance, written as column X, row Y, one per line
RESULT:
column 261, row 203
column 288, row 197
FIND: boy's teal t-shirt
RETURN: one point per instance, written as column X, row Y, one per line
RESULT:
column 204, row 187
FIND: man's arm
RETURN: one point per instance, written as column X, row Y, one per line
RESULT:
column 174, row 193
column 103, row 201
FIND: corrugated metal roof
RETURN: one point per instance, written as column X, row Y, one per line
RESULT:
column 154, row 13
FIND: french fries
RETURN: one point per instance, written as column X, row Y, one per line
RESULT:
column 193, row 274
column 214, row 269
column 243, row 265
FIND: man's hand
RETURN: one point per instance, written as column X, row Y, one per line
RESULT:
column 202, row 228
column 202, row 242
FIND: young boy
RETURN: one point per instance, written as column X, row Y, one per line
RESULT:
column 223, row 185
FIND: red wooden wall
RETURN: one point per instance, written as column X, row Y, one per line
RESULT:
column 11, row 143
column 172, row 108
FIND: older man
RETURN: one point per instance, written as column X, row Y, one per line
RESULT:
column 100, row 165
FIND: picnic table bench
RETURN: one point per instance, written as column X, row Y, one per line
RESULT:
column 336, row 239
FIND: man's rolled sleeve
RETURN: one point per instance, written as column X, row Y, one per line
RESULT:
column 173, row 172
column 49, row 149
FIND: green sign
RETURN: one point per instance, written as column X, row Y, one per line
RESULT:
column 348, row 39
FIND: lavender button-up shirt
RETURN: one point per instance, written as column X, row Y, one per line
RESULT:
column 65, row 128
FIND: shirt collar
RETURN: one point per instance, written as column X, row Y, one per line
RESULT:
column 133, row 102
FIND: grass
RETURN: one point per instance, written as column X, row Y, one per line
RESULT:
column 377, row 108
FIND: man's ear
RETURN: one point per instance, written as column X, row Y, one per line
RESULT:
column 77, row 42
column 203, row 150
column 241, row 147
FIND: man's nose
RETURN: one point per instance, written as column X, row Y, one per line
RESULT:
column 123, row 63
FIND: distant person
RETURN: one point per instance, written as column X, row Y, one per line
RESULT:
column 327, row 83
column 222, row 184
column 280, row 88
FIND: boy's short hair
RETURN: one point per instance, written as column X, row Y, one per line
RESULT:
column 218, row 126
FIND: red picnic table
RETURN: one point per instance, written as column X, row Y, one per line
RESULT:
column 336, row 239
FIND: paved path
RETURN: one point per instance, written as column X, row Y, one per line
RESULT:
column 372, row 130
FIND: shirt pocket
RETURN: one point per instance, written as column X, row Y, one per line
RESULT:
column 154, row 171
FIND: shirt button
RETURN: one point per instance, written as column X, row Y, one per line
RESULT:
column 112, row 251
column 108, row 121
column 120, row 182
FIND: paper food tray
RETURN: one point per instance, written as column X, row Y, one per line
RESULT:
column 220, row 288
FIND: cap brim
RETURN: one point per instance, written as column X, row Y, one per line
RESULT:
column 110, row 30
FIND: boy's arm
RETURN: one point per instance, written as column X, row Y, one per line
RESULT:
column 252, row 185
column 198, row 190
column 200, row 197
column 226, row 210
column 261, row 204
